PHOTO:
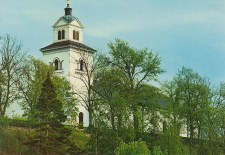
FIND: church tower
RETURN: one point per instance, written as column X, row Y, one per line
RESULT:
column 69, row 55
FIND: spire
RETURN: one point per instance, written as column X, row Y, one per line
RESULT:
column 68, row 10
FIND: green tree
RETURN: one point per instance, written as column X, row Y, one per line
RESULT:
column 29, row 85
column 11, row 64
column 108, row 86
column 30, row 89
column 189, row 97
column 52, row 136
column 137, row 66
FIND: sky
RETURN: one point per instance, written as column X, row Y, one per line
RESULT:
column 187, row 33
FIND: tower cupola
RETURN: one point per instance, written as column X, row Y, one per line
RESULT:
column 68, row 27
column 68, row 10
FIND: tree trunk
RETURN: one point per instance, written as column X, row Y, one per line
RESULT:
column 112, row 118
column 136, row 123
column 90, row 118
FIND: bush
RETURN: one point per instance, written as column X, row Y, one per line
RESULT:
column 157, row 151
column 11, row 142
column 133, row 148
column 16, row 121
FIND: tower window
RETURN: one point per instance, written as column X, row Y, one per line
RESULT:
column 81, row 119
column 63, row 34
column 59, row 35
column 75, row 35
column 81, row 65
column 56, row 64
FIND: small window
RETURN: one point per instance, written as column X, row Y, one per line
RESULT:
column 59, row 35
column 63, row 34
column 81, row 65
column 56, row 64
column 75, row 35
column 81, row 119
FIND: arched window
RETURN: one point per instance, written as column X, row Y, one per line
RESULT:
column 81, row 65
column 56, row 64
column 59, row 35
column 75, row 35
column 63, row 34
column 81, row 119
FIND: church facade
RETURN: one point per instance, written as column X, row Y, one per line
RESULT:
column 67, row 53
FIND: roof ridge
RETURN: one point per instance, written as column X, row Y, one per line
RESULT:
column 66, row 43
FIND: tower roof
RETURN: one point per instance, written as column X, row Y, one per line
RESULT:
column 68, row 17
column 67, row 44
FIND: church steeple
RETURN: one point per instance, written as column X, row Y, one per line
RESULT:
column 68, row 27
column 69, row 55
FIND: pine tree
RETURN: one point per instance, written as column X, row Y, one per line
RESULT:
column 51, row 137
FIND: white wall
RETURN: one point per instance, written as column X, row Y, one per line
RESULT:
column 69, row 68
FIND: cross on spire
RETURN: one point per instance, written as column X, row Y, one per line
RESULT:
column 68, row 1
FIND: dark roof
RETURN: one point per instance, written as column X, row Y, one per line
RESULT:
column 68, row 18
column 65, row 44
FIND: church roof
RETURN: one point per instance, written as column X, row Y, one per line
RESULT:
column 66, row 44
column 68, row 18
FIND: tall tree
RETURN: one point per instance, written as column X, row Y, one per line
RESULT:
column 52, row 134
column 138, row 66
column 12, row 57
column 189, row 101
column 30, row 89
column 29, row 85
column 108, row 86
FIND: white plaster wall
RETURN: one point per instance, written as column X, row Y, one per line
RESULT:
column 68, row 31
column 75, row 23
column 69, row 66
column 62, row 55
column 77, row 83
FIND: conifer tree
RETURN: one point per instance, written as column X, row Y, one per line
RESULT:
column 51, row 135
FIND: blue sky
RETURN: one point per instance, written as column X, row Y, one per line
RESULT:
column 185, row 33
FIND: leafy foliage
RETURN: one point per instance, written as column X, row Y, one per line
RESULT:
column 52, row 137
column 30, row 89
column 133, row 148
column 11, row 142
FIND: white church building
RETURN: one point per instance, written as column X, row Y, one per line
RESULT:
column 65, row 54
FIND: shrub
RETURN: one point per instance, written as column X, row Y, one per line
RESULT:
column 133, row 148
column 11, row 142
